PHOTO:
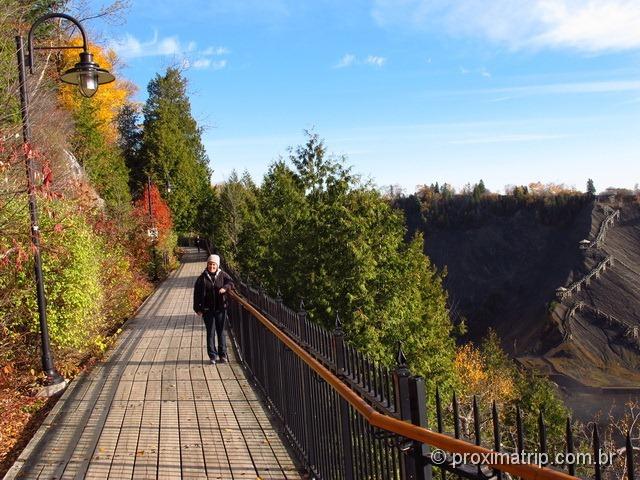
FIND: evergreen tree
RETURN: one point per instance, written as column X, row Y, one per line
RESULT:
column 479, row 190
column 591, row 189
column 317, row 232
column 129, row 142
column 101, row 160
column 236, row 206
column 172, row 149
column 447, row 191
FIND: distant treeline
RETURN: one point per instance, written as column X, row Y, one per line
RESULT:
column 440, row 207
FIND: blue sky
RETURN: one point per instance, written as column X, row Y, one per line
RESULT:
column 411, row 91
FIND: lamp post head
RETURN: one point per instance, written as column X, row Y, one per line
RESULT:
column 87, row 74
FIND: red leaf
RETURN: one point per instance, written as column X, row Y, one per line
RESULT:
column 47, row 173
column 26, row 150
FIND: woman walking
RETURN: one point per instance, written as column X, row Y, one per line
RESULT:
column 210, row 301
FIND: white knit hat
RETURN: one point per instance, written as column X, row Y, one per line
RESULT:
column 214, row 258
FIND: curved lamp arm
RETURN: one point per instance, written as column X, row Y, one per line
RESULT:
column 87, row 74
column 48, row 17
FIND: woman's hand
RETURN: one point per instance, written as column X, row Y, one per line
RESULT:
column 222, row 290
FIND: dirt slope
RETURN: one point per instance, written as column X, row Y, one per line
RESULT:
column 603, row 350
column 504, row 274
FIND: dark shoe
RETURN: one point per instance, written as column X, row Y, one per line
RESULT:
column 212, row 361
column 223, row 360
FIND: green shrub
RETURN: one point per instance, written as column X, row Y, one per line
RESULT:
column 91, row 284
column 71, row 279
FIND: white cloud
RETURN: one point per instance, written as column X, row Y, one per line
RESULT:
column 350, row 59
column 218, row 64
column 584, row 25
column 480, row 71
column 346, row 61
column 204, row 63
column 201, row 63
column 130, row 47
column 375, row 60
column 215, row 51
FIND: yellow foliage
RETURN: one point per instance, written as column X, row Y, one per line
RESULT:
column 109, row 98
column 542, row 189
column 470, row 368
column 477, row 379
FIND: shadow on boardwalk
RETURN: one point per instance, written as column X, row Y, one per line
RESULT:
column 156, row 408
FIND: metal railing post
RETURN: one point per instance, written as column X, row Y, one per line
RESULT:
column 418, row 398
column 282, row 367
column 305, row 394
column 402, row 380
column 345, row 424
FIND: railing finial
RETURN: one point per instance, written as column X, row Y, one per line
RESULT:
column 338, row 323
column 401, row 359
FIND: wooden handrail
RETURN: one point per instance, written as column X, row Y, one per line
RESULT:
column 400, row 427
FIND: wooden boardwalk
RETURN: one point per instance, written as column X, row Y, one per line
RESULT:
column 156, row 408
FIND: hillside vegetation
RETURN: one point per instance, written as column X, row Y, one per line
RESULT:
column 100, row 187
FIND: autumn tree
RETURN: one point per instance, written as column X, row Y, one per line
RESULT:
column 487, row 372
column 545, row 189
column 108, row 100
column 152, row 212
column 95, row 139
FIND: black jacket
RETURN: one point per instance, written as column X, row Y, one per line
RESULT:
column 206, row 294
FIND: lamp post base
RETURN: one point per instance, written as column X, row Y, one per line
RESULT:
column 53, row 377
column 52, row 389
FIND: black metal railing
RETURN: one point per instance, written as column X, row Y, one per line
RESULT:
column 334, row 439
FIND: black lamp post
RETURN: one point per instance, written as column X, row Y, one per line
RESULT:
column 87, row 75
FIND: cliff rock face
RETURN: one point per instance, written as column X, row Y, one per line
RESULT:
column 503, row 271
column 565, row 308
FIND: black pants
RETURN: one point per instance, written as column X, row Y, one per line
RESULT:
column 215, row 322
